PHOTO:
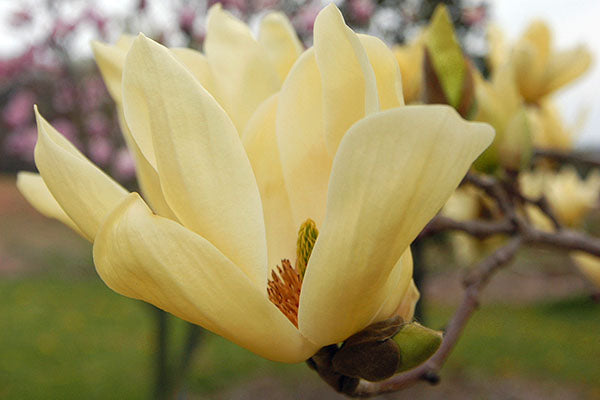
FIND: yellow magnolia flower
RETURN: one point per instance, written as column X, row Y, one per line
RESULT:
column 539, row 68
column 410, row 59
column 570, row 196
column 500, row 105
column 549, row 131
column 497, row 48
column 466, row 204
column 334, row 145
column 240, row 71
column 589, row 265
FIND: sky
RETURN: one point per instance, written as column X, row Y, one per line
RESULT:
column 573, row 22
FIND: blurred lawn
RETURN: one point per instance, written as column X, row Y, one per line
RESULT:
column 74, row 338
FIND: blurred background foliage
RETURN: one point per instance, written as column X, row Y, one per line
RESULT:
column 65, row 335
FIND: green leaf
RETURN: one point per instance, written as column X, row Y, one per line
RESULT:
column 446, row 55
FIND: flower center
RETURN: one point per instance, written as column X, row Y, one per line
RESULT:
column 284, row 288
column 285, row 283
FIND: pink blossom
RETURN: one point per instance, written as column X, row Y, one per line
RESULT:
column 20, row 18
column 100, row 150
column 19, row 109
column 187, row 16
column 21, row 143
column 304, row 21
column 64, row 97
column 361, row 10
column 67, row 129
column 19, row 64
column 61, row 29
column 97, row 125
column 94, row 93
column 124, row 166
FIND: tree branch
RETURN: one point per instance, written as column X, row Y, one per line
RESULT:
column 429, row 370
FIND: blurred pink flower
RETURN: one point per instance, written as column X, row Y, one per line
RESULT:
column 19, row 64
column 97, row 124
column 304, row 20
column 64, row 97
column 123, row 165
column 19, row 109
column 96, row 18
column 20, row 18
column 361, row 10
column 100, row 150
column 21, row 143
column 94, row 93
column 67, row 129
column 187, row 16
column 61, row 29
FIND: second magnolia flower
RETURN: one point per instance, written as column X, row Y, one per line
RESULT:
column 229, row 174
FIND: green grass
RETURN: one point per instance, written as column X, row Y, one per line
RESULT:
column 71, row 337
column 557, row 341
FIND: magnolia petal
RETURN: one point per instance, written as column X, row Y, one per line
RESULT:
column 565, row 67
column 110, row 60
column 528, row 70
column 347, row 78
column 198, row 65
column 260, row 142
column 84, row 192
column 304, row 157
column 243, row 72
column 279, row 39
column 33, row 188
column 154, row 259
column 387, row 72
column 539, row 35
column 396, row 289
column 204, row 172
column 393, row 172
column 589, row 265
column 147, row 176
column 406, row 308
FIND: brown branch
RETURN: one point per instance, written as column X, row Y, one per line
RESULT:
column 568, row 157
column 430, row 369
column 480, row 229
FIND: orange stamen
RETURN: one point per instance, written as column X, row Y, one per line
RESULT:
column 284, row 290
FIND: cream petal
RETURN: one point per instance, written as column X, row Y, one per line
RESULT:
column 260, row 142
column 387, row 72
column 279, row 39
column 204, row 172
column 110, row 61
column 147, row 176
column 347, row 78
column 243, row 72
column 406, row 308
column 147, row 257
column 589, row 265
column 33, row 188
column 565, row 67
column 393, row 172
column 396, row 289
column 198, row 65
column 84, row 192
column 299, row 124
